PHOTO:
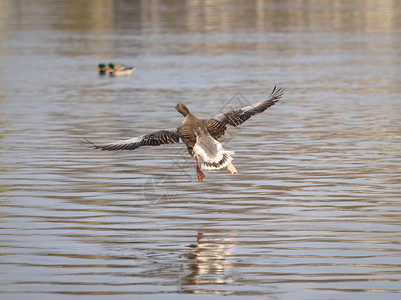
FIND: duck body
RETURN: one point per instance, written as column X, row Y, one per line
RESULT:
column 120, row 70
column 199, row 135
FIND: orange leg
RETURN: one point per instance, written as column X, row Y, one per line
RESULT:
column 232, row 169
column 198, row 171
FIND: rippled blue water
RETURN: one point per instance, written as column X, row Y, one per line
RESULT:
column 314, row 212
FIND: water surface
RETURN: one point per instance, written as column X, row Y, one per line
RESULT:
column 314, row 212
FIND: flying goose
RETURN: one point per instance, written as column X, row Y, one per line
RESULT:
column 199, row 135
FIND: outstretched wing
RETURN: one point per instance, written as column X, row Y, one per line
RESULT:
column 240, row 115
column 168, row 136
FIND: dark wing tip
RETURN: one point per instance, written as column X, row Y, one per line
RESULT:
column 276, row 93
column 88, row 142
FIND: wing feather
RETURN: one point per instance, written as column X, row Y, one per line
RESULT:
column 240, row 115
column 168, row 136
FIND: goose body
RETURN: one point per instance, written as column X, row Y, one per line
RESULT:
column 211, row 152
column 199, row 135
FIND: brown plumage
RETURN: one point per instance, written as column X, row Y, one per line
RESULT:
column 199, row 135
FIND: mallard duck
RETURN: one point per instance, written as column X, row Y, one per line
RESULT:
column 119, row 70
column 103, row 69
column 199, row 135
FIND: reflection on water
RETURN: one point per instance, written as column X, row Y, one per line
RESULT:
column 210, row 266
column 312, row 214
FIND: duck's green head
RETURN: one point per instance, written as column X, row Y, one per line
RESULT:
column 111, row 65
column 101, row 66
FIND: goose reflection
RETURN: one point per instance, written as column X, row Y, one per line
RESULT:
column 209, row 264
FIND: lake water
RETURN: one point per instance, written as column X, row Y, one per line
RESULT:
column 315, row 211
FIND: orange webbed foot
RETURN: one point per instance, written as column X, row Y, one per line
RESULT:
column 201, row 175
column 232, row 169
